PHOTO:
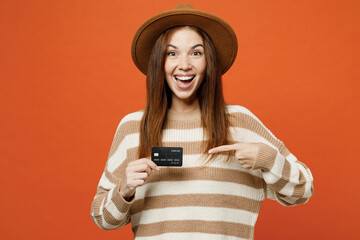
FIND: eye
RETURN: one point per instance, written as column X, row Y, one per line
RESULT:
column 197, row 53
column 171, row 53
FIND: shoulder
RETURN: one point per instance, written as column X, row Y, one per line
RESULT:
column 131, row 120
column 125, row 132
column 134, row 116
column 240, row 116
column 240, row 111
column 236, row 109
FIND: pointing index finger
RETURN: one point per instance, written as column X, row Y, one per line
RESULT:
column 223, row 148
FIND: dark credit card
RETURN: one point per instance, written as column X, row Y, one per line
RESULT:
column 167, row 156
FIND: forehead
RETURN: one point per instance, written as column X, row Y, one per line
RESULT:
column 185, row 35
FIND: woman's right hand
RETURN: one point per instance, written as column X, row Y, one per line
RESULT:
column 135, row 174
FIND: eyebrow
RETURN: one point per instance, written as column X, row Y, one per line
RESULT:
column 195, row 46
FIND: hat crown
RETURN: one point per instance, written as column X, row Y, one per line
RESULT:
column 181, row 6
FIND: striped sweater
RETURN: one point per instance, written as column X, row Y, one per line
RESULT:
column 219, row 200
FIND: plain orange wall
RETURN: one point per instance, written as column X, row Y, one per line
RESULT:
column 67, row 79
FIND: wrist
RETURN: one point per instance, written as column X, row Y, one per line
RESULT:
column 129, row 199
column 128, row 195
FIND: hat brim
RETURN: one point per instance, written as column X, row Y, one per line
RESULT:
column 220, row 32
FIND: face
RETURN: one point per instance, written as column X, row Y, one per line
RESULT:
column 185, row 64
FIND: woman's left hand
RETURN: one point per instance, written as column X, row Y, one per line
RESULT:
column 246, row 153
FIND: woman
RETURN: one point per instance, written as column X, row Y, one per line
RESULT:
column 231, row 161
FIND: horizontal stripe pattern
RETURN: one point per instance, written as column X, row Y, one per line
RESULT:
column 182, row 135
column 219, row 200
column 173, row 124
column 210, row 227
column 120, row 155
column 201, row 200
column 194, row 213
column 192, row 235
column 206, row 173
column 198, row 187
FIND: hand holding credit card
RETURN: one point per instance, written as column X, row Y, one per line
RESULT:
column 167, row 156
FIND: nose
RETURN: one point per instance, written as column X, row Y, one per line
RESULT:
column 184, row 63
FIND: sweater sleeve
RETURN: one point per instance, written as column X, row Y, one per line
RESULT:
column 288, row 181
column 109, row 210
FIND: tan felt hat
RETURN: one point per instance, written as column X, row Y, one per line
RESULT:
column 220, row 32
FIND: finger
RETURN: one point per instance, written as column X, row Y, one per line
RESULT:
column 141, row 175
column 147, row 161
column 244, row 160
column 152, row 165
column 137, row 162
column 223, row 148
column 148, row 171
column 247, row 165
column 137, row 168
column 135, row 183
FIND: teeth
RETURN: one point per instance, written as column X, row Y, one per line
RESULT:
column 184, row 78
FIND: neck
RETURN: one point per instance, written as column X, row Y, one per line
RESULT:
column 180, row 105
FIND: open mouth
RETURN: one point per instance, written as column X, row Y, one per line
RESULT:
column 184, row 78
column 184, row 82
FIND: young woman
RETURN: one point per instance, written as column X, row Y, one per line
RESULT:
column 231, row 161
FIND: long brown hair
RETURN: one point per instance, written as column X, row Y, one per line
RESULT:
column 210, row 96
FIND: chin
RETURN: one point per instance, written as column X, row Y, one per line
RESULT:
column 185, row 97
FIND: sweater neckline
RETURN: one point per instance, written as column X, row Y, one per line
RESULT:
column 184, row 116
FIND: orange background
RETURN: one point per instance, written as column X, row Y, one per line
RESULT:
column 67, row 79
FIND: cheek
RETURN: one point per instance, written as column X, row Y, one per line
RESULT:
column 168, row 73
column 168, row 67
column 202, row 68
